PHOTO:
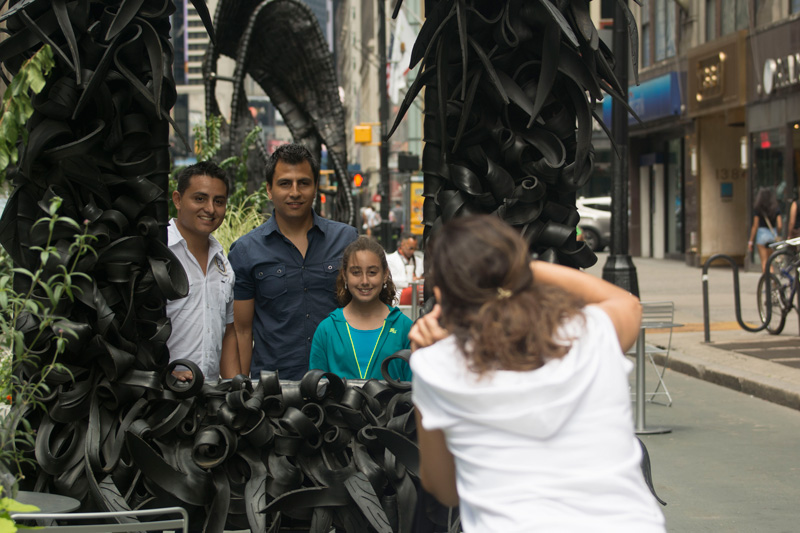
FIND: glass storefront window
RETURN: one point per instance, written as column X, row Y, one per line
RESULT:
column 767, row 164
column 674, row 197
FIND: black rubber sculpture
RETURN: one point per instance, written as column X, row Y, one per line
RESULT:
column 280, row 45
column 510, row 91
column 506, row 82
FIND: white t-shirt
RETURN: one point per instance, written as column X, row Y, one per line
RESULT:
column 551, row 449
column 199, row 320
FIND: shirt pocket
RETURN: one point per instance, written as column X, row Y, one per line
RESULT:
column 323, row 276
column 271, row 280
column 225, row 294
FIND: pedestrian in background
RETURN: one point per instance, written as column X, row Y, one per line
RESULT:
column 286, row 269
column 404, row 266
column 767, row 224
column 355, row 339
column 794, row 221
column 202, row 323
column 522, row 403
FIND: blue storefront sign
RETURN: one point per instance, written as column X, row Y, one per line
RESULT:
column 652, row 99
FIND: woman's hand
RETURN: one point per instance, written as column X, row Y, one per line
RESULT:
column 427, row 330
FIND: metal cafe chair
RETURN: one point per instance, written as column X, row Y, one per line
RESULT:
column 97, row 521
column 658, row 315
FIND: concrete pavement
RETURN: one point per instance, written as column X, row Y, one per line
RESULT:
column 727, row 360
column 730, row 461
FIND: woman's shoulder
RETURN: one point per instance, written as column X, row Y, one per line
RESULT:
column 437, row 359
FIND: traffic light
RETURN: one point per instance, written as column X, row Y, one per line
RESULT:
column 358, row 179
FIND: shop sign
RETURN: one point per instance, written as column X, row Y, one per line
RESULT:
column 780, row 72
column 656, row 98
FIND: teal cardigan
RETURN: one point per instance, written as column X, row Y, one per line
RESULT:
column 331, row 350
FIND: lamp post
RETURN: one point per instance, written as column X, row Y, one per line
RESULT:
column 619, row 268
column 383, row 117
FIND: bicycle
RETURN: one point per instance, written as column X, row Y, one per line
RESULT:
column 783, row 269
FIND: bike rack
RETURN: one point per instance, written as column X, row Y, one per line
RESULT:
column 737, row 304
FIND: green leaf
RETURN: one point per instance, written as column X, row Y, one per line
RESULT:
column 23, row 271
column 37, row 80
column 6, row 524
column 13, row 506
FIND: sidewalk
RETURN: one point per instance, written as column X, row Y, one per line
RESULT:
column 717, row 362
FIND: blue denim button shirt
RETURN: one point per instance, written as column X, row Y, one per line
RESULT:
column 292, row 294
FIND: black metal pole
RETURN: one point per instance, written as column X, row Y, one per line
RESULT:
column 383, row 112
column 619, row 268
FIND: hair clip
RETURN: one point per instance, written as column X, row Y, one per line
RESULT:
column 502, row 293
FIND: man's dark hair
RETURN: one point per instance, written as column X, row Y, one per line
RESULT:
column 203, row 168
column 405, row 236
column 291, row 154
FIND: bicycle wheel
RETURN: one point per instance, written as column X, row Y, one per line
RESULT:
column 777, row 301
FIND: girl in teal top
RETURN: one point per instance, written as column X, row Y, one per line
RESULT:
column 353, row 341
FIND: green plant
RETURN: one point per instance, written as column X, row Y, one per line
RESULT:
column 48, row 287
column 17, row 106
column 240, row 218
column 244, row 212
column 8, row 506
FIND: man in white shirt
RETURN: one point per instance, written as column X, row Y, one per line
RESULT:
column 202, row 323
column 403, row 263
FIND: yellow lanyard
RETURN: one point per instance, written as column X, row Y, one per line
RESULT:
column 363, row 375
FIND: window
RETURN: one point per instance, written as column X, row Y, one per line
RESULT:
column 734, row 16
column 664, row 26
column 764, row 11
column 659, row 22
column 795, row 6
column 645, row 59
column 711, row 20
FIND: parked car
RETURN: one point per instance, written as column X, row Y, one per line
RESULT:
column 595, row 222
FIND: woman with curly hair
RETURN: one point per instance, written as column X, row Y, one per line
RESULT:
column 353, row 341
column 521, row 390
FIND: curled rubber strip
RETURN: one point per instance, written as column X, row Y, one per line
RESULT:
column 509, row 95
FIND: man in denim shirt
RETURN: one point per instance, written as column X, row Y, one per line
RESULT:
column 286, row 270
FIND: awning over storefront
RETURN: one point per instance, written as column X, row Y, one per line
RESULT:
column 653, row 99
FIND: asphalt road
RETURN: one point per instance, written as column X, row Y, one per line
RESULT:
column 731, row 462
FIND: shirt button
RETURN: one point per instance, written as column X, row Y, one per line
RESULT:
column 308, row 339
column 302, row 268
column 305, row 289
column 308, row 315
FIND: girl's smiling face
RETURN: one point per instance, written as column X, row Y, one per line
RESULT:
column 365, row 276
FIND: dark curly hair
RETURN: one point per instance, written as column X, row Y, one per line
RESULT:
column 363, row 244
column 291, row 154
column 500, row 318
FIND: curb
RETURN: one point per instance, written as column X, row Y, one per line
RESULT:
column 742, row 373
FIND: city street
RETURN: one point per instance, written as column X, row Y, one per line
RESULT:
column 731, row 461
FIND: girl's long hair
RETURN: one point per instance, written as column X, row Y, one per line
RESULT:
column 766, row 203
column 501, row 319
column 363, row 244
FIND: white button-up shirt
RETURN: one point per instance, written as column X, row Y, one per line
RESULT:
column 199, row 320
column 403, row 270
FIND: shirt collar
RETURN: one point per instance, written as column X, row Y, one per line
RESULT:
column 271, row 225
column 174, row 237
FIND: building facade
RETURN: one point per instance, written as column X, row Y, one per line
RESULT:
column 719, row 103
